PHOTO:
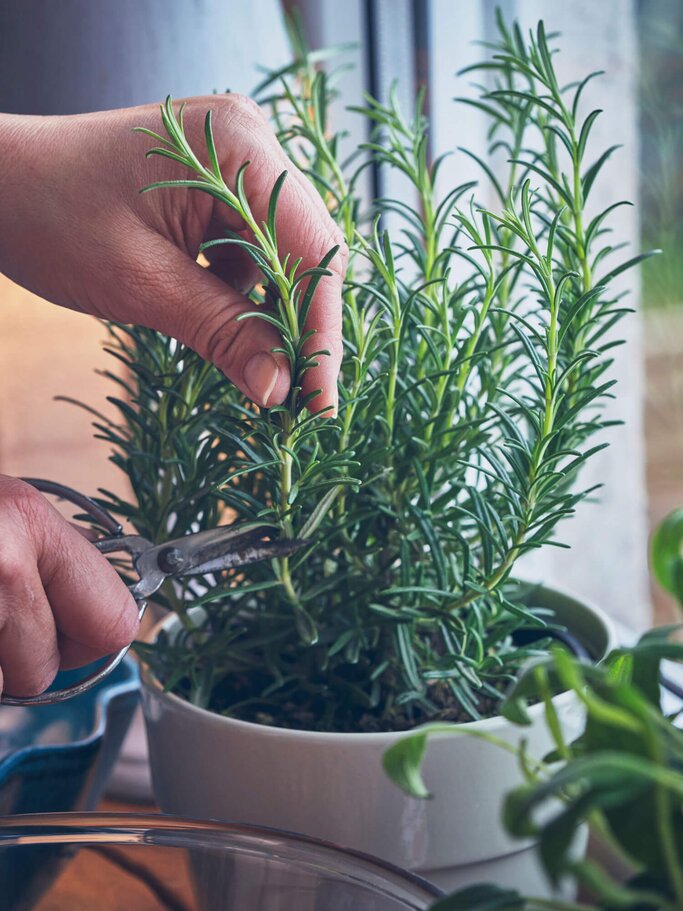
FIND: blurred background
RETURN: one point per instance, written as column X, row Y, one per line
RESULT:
column 75, row 56
column 660, row 98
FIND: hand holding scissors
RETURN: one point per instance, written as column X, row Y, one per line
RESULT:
column 203, row 553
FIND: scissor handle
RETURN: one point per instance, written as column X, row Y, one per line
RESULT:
column 87, row 504
column 108, row 522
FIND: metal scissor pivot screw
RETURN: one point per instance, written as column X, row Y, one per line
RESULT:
column 171, row 560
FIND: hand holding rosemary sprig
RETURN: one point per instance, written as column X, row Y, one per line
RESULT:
column 141, row 266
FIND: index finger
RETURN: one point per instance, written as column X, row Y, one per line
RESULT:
column 305, row 230
column 305, row 224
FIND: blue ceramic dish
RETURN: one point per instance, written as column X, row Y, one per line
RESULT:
column 57, row 758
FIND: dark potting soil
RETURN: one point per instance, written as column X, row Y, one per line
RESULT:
column 294, row 715
column 240, row 696
column 367, row 723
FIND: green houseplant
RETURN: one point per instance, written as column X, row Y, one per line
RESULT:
column 476, row 362
column 623, row 775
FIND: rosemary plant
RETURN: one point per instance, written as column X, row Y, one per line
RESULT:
column 467, row 408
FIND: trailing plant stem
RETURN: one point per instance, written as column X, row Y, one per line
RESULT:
column 666, row 813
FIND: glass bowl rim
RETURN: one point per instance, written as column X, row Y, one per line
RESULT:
column 131, row 828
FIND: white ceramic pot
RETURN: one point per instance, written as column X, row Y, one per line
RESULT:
column 332, row 786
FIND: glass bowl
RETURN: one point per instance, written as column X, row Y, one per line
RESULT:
column 122, row 862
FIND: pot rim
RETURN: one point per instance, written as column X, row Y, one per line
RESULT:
column 484, row 726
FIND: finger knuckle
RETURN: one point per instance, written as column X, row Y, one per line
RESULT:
column 341, row 260
column 120, row 626
column 223, row 339
column 336, row 238
column 43, row 675
column 148, row 290
column 239, row 112
column 318, row 232
column 323, row 235
column 332, row 349
column 247, row 106
column 34, row 678
column 136, row 279
column 21, row 596
column 22, row 498
column 336, row 348
column 12, row 568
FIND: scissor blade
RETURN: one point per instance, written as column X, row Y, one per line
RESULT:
column 249, row 553
column 218, row 549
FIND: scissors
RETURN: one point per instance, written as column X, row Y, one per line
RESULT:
column 199, row 554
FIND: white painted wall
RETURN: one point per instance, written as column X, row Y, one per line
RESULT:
column 71, row 56
column 608, row 559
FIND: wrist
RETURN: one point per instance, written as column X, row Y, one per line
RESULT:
column 24, row 180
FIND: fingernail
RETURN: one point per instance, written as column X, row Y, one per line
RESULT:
column 333, row 409
column 328, row 411
column 260, row 375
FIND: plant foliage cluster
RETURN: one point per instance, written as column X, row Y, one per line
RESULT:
column 623, row 775
column 478, row 343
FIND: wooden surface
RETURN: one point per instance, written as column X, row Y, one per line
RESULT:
column 119, row 879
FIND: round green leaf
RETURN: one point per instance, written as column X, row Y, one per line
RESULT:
column 667, row 554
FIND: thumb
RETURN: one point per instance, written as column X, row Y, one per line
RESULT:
column 187, row 302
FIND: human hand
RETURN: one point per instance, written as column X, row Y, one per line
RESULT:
column 61, row 603
column 75, row 230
